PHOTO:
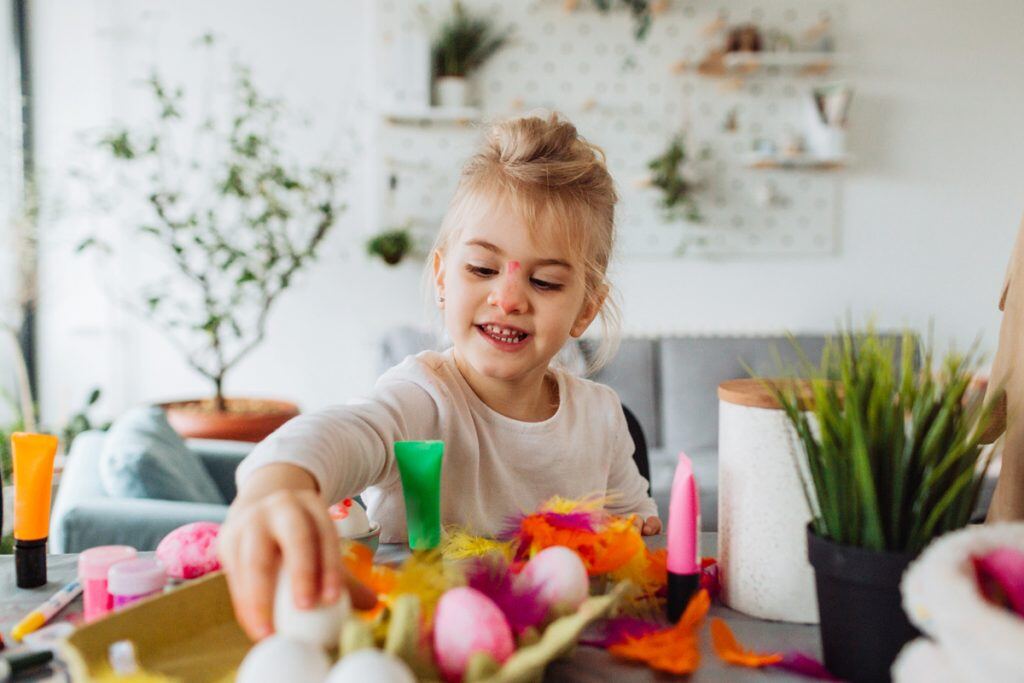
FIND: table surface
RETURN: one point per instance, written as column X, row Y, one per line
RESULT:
column 585, row 664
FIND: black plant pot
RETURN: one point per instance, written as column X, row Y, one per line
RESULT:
column 863, row 626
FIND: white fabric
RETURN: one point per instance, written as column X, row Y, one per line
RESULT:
column 494, row 467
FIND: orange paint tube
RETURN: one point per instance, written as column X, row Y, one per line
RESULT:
column 33, row 482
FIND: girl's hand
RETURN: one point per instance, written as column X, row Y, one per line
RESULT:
column 288, row 525
column 649, row 527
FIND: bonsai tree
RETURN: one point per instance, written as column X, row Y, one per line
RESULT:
column 234, row 221
column 464, row 43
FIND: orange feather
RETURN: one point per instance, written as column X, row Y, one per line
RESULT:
column 674, row 650
column 731, row 652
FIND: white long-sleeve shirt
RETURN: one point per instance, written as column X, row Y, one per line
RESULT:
column 494, row 467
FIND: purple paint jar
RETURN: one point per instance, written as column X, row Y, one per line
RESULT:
column 93, row 566
column 134, row 580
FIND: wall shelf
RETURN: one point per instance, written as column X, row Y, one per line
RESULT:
column 803, row 162
column 751, row 63
column 432, row 115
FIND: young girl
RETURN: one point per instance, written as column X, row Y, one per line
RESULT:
column 518, row 268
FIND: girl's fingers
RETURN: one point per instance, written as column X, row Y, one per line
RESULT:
column 296, row 533
column 331, row 570
column 652, row 526
column 252, row 588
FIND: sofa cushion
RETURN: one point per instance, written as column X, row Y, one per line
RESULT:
column 693, row 367
column 143, row 457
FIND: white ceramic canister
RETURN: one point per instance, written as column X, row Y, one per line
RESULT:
column 762, row 510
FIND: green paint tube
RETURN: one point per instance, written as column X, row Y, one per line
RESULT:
column 419, row 463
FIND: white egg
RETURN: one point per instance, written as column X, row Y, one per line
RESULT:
column 367, row 665
column 319, row 626
column 354, row 523
column 277, row 659
column 560, row 576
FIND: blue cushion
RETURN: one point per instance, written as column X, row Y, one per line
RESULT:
column 143, row 457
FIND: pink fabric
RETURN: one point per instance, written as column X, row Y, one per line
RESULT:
column 190, row 551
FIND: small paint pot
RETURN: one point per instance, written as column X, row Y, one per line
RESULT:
column 93, row 566
column 131, row 581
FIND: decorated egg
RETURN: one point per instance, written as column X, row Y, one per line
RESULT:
column 369, row 664
column 190, row 551
column 320, row 626
column 349, row 518
column 277, row 658
column 466, row 622
column 560, row 578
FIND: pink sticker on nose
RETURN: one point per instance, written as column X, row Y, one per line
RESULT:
column 513, row 266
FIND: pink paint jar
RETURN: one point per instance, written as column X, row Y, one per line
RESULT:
column 134, row 580
column 93, row 565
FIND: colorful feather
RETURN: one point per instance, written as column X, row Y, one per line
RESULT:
column 1000, row 577
column 730, row 651
column 427, row 577
column 461, row 545
column 804, row 665
column 674, row 650
column 519, row 602
column 614, row 631
column 358, row 561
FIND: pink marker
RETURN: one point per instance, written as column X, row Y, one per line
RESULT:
column 683, row 540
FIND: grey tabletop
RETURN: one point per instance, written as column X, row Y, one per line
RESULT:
column 585, row 664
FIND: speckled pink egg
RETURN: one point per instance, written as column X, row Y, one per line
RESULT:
column 466, row 622
column 190, row 551
column 560, row 576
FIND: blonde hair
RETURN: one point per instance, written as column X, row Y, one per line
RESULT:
column 559, row 185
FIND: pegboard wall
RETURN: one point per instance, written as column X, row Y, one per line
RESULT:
column 631, row 98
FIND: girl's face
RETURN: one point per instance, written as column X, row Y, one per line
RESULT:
column 509, row 304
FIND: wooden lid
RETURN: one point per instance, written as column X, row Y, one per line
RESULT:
column 754, row 394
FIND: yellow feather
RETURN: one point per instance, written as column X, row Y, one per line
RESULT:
column 461, row 545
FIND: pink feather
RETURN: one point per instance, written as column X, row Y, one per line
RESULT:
column 1000, row 577
column 520, row 603
column 616, row 630
column 804, row 665
column 579, row 520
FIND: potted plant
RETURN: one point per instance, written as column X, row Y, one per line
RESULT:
column 462, row 45
column 391, row 245
column 235, row 222
column 892, row 458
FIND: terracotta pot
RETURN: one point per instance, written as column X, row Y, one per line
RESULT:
column 245, row 419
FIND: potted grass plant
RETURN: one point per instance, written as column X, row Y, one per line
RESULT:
column 391, row 246
column 462, row 44
column 231, row 220
column 892, row 458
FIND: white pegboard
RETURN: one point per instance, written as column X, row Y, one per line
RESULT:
column 627, row 97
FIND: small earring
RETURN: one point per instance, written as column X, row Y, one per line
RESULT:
column 440, row 299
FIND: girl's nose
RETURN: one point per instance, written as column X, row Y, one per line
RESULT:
column 508, row 293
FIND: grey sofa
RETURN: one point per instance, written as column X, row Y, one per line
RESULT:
column 671, row 384
column 84, row 516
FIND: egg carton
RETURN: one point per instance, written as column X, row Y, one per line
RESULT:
column 191, row 634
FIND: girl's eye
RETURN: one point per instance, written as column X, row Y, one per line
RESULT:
column 480, row 270
column 545, row 286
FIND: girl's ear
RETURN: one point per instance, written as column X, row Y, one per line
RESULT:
column 439, row 278
column 591, row 307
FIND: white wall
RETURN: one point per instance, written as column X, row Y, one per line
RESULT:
column 928, row 212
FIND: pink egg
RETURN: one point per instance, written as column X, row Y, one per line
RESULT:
column 190, row 551
column 560, row 576
column 467, row 621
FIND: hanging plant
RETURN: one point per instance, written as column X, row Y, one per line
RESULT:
column 391, row 245
column 673, row 173
column 642, row 11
